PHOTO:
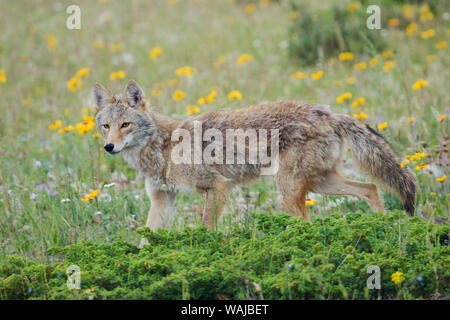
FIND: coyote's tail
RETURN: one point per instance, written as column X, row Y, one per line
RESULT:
column 375, row 157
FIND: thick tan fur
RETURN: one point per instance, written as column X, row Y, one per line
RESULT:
column 311, row 142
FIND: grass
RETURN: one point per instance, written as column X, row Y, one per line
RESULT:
column 43, row 174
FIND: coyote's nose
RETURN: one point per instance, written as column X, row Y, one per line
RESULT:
column 109, row 147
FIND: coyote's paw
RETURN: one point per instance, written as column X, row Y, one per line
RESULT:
column 144, row 242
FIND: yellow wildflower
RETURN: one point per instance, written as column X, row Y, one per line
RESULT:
column 90, row 196
column 441, row 179
column 352, row 7
column 360, row 66
column 358, row 102
column 2, row 76
column 426, row 16
column 424, row 8
column 408, row 11
column 56, row 125
column 317, row 75
column 441, row 117
column 421, row 166
column 418, row 156
column 155, row 53
column 310, row 202
column 209, row 98
column 26, row 102
column 351, row 80
column 404, row 163
column 388, row 65
column 299, row 75
column 98, row 44
column 361, row 115
column 411, row 119
column 191, row 109
column 387, row 54
column 430, row 33
column 82, row 72
column 419, row 84
column 51, row 41
column 373, row 62
column 178, row 95
column 115, row 47
column 249, row 8
column 397, row 277
column 172, row 82
column 85, row 126
column 74, row 84
column 88, row 118
column 66, row 129
column 382, row 126
column 243, row 58
column 185, row 71
column 393, row 22
column 117, row 75
column 411, row 29
column 432, row 193
column 234, row 95
column 156, row 93
column 344, row 97
column 441, row 44
column 346, row 56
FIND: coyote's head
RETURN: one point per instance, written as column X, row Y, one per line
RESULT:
column 122, row 118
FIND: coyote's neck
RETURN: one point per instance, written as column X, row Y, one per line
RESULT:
column 164, row 123
column 148, row 158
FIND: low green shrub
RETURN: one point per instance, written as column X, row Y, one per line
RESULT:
column 276, row 257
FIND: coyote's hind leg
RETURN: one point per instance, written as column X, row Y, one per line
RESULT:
column 335, row 184
column 294, row 193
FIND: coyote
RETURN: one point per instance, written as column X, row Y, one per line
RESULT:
column 310, row 148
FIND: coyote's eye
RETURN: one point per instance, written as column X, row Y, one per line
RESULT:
column 105, row 126
column 125, row 124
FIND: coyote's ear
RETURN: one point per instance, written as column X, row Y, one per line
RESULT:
column 133, row 94
column 101, row 96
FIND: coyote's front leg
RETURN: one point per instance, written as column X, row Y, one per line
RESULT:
column 162, row 208
column 215, row 199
